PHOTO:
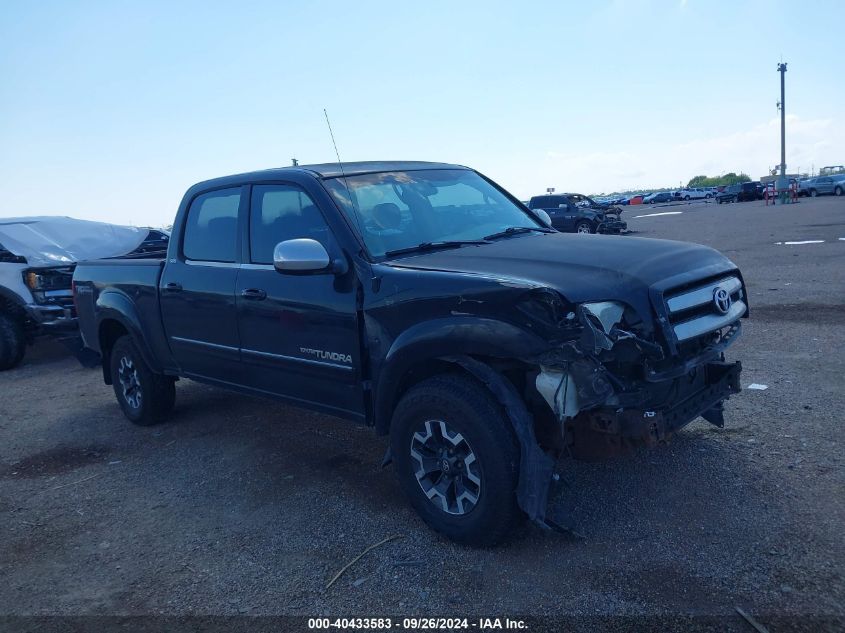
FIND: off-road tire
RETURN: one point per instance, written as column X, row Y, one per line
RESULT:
column 583, row 224
column 12, row 341
column 156, row 392
column 469, row 409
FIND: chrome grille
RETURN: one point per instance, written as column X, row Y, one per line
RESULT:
column 693, row 312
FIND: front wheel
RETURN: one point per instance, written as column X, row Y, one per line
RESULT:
column 838, row 191
column 584, row 227
column 457, row 459
column 686, row 197
column 12, row 341
column 813, row 193
column 145, row 397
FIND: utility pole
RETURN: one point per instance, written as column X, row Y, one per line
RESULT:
column 782, row 184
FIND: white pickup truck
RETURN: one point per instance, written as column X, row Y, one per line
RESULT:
column 37, row 259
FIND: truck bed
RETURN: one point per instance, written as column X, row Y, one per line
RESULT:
column 103, row 282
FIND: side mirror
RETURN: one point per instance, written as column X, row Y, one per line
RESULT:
column 545, row 218
column 300, row 256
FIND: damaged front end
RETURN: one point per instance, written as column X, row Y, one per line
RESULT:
column 611, row 383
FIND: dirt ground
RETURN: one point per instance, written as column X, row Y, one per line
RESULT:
column 244, row 506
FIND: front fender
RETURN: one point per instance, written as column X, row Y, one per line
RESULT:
column 440, row 338
column 117, row 306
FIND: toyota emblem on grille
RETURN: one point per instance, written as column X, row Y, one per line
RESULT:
column 722, row 300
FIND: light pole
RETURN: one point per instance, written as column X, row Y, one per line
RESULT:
column 782, row 184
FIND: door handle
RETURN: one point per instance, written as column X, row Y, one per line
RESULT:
column 173, row 286
column 254, row 294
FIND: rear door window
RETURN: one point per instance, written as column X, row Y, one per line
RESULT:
column 211, row 229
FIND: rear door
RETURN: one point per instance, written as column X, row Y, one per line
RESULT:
column 299, row 332
column 197, row 288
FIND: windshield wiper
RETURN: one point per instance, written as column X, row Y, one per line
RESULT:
column 516, row 230
column 430, row 246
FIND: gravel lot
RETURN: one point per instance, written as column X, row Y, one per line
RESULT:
column 244, row 506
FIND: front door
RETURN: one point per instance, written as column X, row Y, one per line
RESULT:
column 298, row 332
column 824, row 185
column 197, row 289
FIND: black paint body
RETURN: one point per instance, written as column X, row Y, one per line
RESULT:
column 379, row 321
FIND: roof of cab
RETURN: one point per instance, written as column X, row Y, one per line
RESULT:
column 332, row 170
column 324, row 170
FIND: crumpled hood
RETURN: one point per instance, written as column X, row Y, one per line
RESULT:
column 55, row 241
column 580, row 267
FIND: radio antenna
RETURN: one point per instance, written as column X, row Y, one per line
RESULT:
column 342, row 172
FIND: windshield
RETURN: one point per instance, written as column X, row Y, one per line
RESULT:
column 402, row 209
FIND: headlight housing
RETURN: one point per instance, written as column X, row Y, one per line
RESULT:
column 44, row 280
column 607, row 313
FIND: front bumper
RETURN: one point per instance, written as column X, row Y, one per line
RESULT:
column 612, row 226
column 52, row 319
column 604, row 432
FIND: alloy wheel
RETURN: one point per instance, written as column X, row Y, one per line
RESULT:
column 447, row 469
column 127, row 374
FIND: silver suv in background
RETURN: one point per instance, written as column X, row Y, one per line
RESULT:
column 694, row 193
column 824, row 185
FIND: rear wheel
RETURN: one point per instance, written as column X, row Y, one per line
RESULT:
column 584, row 227
column 12, row 341
column 457, row 459
column 145, row 397
column 838, row 191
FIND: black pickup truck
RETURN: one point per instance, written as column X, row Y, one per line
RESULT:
column 424, row 300
column 577, row 213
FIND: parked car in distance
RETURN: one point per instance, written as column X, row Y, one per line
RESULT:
column 572, row 213
column 825, row 185
column 423, row 300
column 695, row 193
column 729, row 194
column 37, row 258
column 744, row 192
column 661, row 196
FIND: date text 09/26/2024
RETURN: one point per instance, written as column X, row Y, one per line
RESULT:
column 417, row 624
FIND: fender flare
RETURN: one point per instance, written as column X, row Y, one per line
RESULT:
column 536, row 468
column 437, row 339
column 113, row 305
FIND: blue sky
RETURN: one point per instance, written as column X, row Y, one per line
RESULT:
column 110, row 110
